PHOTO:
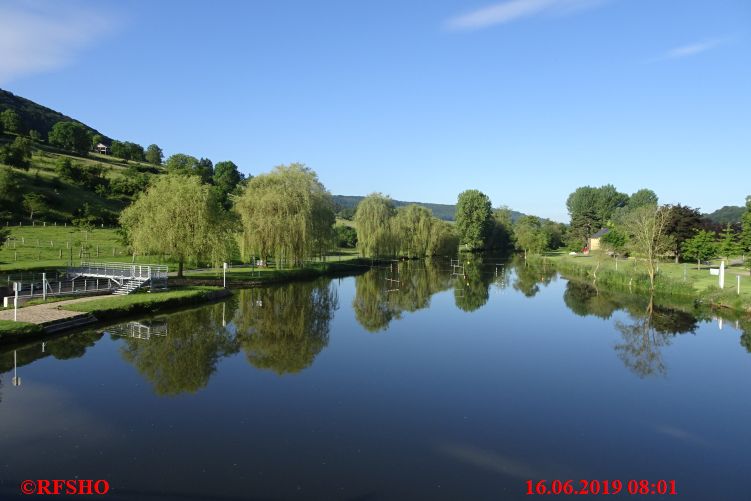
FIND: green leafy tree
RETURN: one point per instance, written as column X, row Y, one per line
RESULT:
column 530, row 235
column 180, row 163
column 346, row 236
column 729, row 245
column 179, row 216
column 591, row 209
column 474, row 219
column 227, row 177
column 413, row 225
column 683, row 224
column 95, row 140
column 646, row 229
column 10, row 192
column 375, row 231
column 745, row 236
column 502, row 234
column 34, row 136
column 71, row 136
column 17, row 154
column 4, row 234
column 642, row 197
column 35, row 204
column 614, row 241
column 127, row 151
column 67, row 170
column 205, row 170
column 582, row 208
column 118, row 149
column 154, row 154
column 287, row 214
column 701, row 247
column 444, row 240
column 11, row 121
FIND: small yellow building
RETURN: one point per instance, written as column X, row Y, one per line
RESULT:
column 594, row 240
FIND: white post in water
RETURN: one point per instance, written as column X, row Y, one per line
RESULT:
column 224, row 267
column 722, row 274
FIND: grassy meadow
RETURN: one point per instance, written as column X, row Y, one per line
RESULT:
column 680, row 279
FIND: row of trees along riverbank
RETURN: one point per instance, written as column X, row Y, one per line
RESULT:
column 288, row 215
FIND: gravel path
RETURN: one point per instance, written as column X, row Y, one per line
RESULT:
column 43, row 313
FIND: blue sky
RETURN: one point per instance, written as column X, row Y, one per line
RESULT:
column 523, row 99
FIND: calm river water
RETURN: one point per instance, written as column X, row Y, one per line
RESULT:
column 406, row 382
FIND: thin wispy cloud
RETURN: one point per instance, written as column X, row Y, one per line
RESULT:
column 514, row 10
column 689, row 50
column 692, row 49
column 38, row 37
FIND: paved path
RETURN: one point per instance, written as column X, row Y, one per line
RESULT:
column 49, row 312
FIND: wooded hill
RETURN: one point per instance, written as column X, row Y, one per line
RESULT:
column 102, row 185
column 441, row 211
column 36, row 117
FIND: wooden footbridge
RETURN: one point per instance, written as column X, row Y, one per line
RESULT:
column 127, row 277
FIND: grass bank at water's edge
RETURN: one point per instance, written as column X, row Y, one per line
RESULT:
column 111, row 307
column 681, row 281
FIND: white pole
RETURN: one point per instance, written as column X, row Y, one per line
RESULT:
column 722, row 274
column 15, row 303
column 224, row 266
column 44, row 286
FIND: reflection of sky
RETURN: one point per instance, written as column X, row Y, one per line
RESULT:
column 443, row 404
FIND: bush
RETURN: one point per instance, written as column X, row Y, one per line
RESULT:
column 346, row 236
column 17, row 154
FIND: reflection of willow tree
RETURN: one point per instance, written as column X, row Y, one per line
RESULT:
column 378, row 301
column 530, row 274
column 283, row 328
column 184, row 359
column 650, row 332
column 73, row 346
column 472, row 290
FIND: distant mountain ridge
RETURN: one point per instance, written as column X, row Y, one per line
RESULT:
column 441, row 211
column 36, row 117
column 728, row 214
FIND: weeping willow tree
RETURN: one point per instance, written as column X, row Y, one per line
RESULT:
column 411, row 231
column 413, row 225
column 181, row 217
column 375, row 232
column 287, row 214
column 444, row 240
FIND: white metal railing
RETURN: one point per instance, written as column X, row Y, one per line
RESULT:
column 121, row 271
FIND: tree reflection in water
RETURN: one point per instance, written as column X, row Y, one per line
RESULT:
column 651, row 328
column 283, row 328
column 184, row 359
column 471, row 291
column 530, row 274
column 382, row 294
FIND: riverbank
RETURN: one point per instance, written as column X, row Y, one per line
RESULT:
column 682, row 281
column 246, row 276
column 41, row 319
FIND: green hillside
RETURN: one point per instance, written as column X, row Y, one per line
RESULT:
column 728, row 214
column 441, row 211
column 35, row 116
column 99, row 187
